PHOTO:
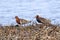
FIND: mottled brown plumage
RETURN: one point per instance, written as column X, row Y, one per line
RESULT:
column 21, row 21
column 42, row 20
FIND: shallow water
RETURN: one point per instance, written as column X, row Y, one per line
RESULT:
column 27, row 9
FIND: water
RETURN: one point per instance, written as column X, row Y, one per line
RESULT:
column 27, row 9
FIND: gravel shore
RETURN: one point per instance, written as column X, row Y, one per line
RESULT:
column 31, row 32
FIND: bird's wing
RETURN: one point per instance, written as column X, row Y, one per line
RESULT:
column 44, row 20
column 24, row 21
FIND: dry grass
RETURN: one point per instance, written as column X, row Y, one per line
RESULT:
column 37, row 32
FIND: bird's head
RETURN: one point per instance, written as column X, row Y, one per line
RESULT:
column 37, row 16
column 16, row 16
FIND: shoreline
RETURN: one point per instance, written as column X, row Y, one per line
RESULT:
column 31, row 32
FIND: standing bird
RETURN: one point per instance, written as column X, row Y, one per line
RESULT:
column 42, row 20
column 21, row 21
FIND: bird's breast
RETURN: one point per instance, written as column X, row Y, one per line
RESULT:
column 39, row 21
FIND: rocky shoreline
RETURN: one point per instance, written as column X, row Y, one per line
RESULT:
column 31, row 32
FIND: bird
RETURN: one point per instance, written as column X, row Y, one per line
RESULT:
column 42, row 20
column 21, row 21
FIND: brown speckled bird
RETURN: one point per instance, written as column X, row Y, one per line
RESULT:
column 42, row 20
column 21, row 21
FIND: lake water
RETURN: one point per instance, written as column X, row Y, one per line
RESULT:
column 27, row 9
